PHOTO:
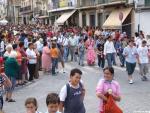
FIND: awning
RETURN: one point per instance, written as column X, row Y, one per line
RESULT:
column 113, row 21
column 64, row 17
column 42, row 17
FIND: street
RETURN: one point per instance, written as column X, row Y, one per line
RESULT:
column 135, row 97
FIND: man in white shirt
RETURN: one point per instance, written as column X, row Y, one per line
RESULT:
column 72, row 45
column 143, row 60
column 32, row 61
column 65, row 43
column 109, row 51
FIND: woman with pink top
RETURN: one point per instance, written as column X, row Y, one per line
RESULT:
column 107, row 86
column 46, row 59
column 90, row 50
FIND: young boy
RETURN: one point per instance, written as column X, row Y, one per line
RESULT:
column 72, row 94
column 54, row 52
column 52, row 102
column 143, row 60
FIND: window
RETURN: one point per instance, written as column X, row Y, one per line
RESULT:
column 147, row 2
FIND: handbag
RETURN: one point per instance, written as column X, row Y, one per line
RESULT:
column 110, row 106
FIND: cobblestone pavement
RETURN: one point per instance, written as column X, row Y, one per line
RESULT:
column 135, row 98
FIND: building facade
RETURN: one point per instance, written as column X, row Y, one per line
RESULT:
column 142, row 16
column 63, row 12
column 32, row 11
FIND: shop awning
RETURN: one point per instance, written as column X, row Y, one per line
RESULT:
column 113, row 21
column 42, row 17
column 64, row 17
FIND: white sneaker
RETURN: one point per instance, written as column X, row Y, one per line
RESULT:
column 63, row 71
column 130, row 81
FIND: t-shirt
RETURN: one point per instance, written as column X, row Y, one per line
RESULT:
column 143, row 54
column 131, row 54
column 63, row 92
column 103, row 87
column 56, row 112
column 54, row 52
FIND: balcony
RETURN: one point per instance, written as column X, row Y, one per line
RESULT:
column 110, row 1
column 84, row 3
column 25, row 9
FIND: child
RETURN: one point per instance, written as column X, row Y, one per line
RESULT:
column 81, row 51
column 4, row 81
column 72, row 94
column 31, row 105
column 100, row 55
column 54, row 52
column 143, row 60
column 52, row 102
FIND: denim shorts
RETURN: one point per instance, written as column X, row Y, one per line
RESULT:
column 130, row 67
column 13, row 81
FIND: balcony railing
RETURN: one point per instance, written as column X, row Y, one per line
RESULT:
column 26, row 9
column 83, row 3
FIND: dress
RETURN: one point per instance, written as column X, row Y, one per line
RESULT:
column 90, row 52
column 46, row 59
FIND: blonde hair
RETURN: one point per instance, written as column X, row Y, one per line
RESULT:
column 9, row 46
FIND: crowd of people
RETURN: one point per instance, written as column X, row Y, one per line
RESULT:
column 26, row 50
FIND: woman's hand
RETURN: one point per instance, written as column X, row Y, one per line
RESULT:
column 116, row 98
column 101, row 96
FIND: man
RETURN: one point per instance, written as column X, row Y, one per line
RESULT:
column 73, row 45
column 143, row 60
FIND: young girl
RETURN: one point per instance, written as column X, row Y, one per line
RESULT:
column 31, row 105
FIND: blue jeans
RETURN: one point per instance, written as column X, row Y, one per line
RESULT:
column 81, row 58
column 109, row 57
column 113, row 59
column 54, row 65
column 122, row 58
column 66, row 50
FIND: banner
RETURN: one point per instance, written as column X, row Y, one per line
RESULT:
column 63, row 3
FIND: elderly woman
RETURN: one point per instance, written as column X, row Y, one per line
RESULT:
column 11, row 70
column 9, row 48
column 107, row 85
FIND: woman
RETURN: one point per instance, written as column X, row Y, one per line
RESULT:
column 11, row 70
column 46, row 59
column 105, row 86
column 19, row 60
column 90, row 51
column 9, row 48
column 32, row 61
column 131, row 55
column 24, row 62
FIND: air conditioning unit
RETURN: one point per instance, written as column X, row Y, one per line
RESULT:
column 140, row 2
